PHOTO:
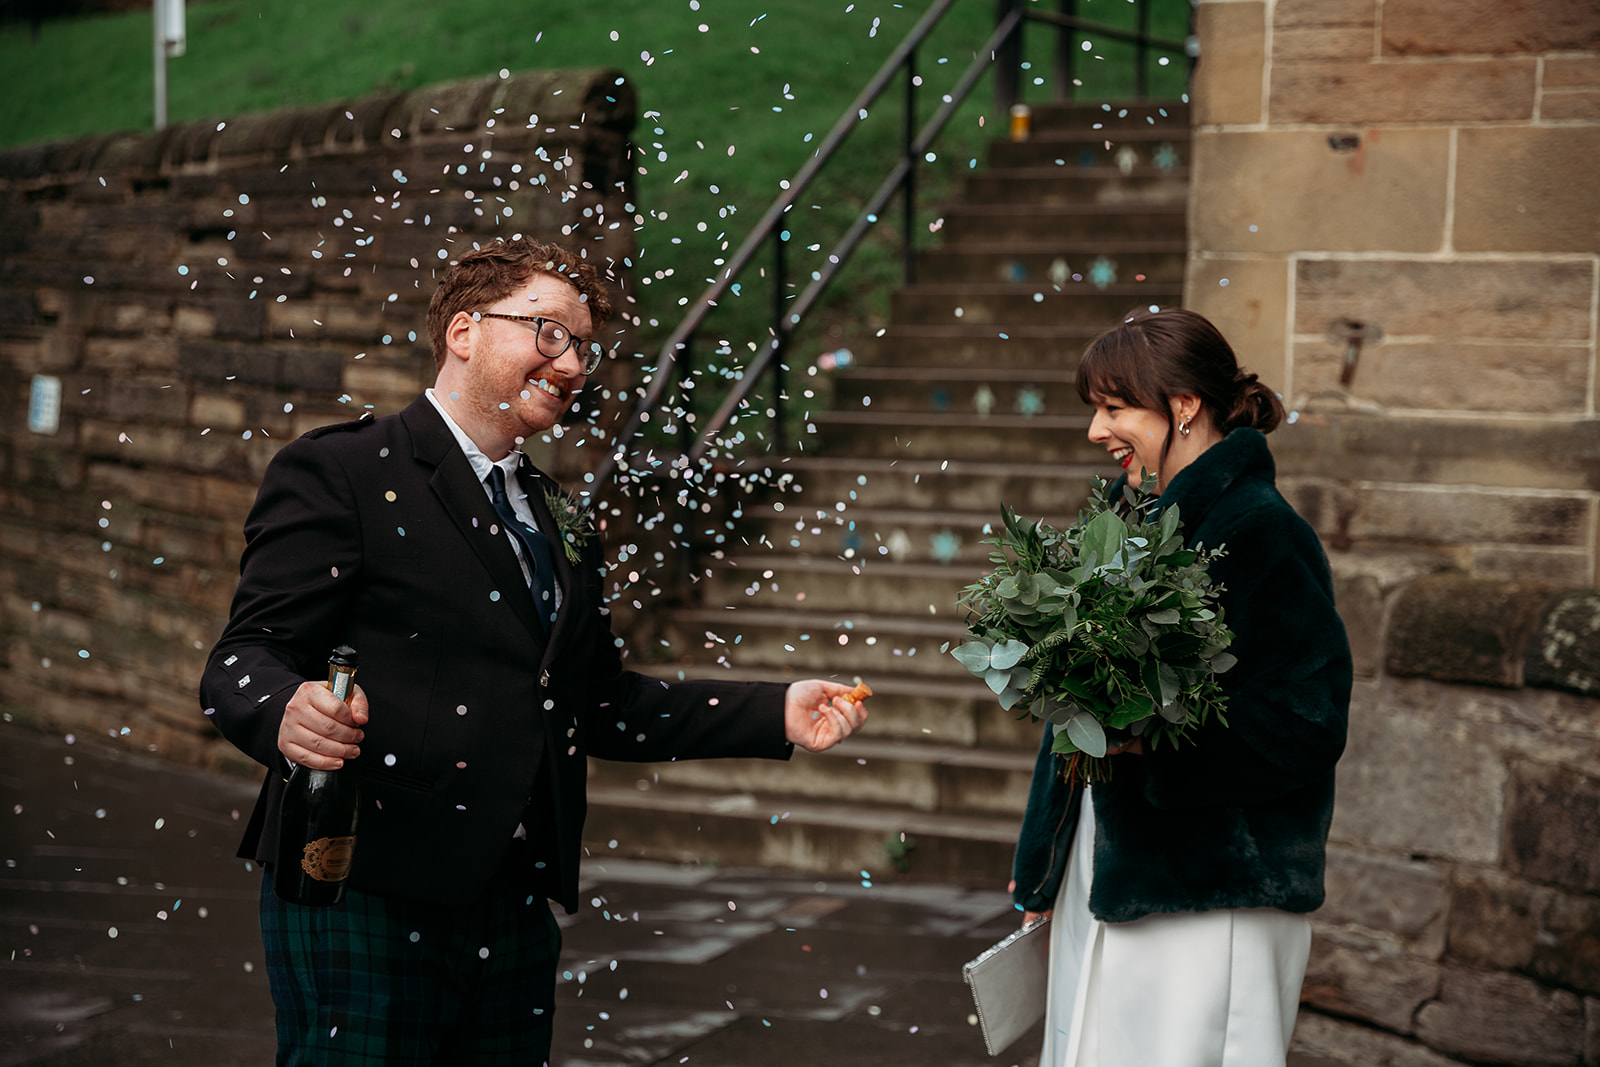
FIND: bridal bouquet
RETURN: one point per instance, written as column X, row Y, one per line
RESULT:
column 1108, row 630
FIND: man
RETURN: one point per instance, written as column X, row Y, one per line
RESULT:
column 488, row 673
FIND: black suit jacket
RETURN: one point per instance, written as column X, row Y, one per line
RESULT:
column 377, row 534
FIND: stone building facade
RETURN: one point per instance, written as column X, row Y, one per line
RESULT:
column 1394, row 215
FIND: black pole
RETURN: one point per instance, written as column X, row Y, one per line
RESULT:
column 1007, row 64
column 685, row 366
column 1065, row 59
column 908, row 247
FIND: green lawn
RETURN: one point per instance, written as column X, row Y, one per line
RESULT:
column 735, row 92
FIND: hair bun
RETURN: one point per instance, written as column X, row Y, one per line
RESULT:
column 1255, row 405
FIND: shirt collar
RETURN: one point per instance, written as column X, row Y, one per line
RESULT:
column 481, row 464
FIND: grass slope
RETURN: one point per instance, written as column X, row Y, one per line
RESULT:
column 734, row 94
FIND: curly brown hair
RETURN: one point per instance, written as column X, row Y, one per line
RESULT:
column 498, row 269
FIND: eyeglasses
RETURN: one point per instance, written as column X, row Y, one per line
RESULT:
column 551, row 339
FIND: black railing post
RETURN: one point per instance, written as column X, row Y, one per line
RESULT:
column 1065, row 57
column 685, row 366
column 908, row 249
column 780, row 333
column 1008, row 63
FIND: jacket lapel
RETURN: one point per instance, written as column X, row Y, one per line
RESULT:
column 463, row 499
column 534, row 483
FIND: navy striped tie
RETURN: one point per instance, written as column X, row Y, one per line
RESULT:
column 535, row 549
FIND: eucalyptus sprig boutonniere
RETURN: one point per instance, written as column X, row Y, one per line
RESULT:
column 574, row 520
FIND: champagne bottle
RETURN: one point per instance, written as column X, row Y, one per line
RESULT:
column 317, row 821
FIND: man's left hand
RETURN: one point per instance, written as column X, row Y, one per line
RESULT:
column 818, row 715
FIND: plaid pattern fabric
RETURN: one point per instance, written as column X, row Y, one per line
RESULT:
column 380, row 981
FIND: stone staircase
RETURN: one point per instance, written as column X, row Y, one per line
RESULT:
column 853, row 571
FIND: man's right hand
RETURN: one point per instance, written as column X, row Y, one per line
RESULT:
column 319, row 730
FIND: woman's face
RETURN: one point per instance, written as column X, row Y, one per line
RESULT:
column 1134, row 436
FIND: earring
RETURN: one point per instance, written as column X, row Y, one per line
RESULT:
column 1183, row 427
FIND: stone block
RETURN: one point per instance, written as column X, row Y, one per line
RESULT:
column 1378, row 91
column 1568, row 104
column 1464, row 630
column 1518, row 300
column 1591, row 1032
column 188, row 321
column 1361, row 607
column 1399, row 897
column 1564, row 650
column 1387, row 194
column 1251, row 310
column 1568, row 952
column 1494, row 919
column 1441, row 452
column 1502, row 1019
column 1549, row 566
column 211, row 412
column 1292, row 44
column 1295, row 14
column 1415, row 782
column 1550, row 378
column 1227, row 80
column 1323, row 1042
column 1551, row 826
column 1572, row 72
column 1521, row 189
column 1478, row 27
column 1362, row 976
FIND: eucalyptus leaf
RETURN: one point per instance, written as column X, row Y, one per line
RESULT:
column 974, row 655
column 1007, row 654
column 1223, row 662
column 1086, row 732
column 997, row 680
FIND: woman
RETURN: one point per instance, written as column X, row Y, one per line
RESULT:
column 1179, row 892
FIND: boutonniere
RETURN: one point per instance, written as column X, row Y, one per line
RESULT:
column 574, row 520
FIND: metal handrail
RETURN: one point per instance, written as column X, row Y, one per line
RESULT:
column 678, row 341
column 1004, row 48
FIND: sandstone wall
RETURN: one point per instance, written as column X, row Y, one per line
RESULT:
column 205, row 294
column 1425, row 168
column 1420, row 174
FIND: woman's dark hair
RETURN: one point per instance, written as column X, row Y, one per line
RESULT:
column 1153, row 356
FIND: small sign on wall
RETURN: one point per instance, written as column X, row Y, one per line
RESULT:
column 44, row 404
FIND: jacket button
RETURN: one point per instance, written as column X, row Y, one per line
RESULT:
column 544, row 677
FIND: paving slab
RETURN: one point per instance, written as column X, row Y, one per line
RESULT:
column 128, row 936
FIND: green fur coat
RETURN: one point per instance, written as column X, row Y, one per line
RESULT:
column 1239, row 817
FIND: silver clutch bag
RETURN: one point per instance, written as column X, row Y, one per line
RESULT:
column 1009, row 984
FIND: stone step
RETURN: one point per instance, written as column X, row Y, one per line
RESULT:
column 859, row 583
column 817, row 640
column 1076, row 183
column 749, row 829
column 920, row 775
column 947, row 711
column 1160, row 261
column 964, row 389
column 1005, row 306
column 922, row 536
column 965, row 435
column 1084, row 222
column 1161, row 147
column 1050, row 118
column 911, row 484
column 979, row 345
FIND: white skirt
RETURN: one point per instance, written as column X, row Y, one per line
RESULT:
column 1198, row 989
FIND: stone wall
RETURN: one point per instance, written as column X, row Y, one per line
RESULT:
column 1425, row 169
column 202, row 295
column 1418, row 176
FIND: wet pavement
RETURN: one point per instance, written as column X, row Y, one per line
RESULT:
column 130, row 938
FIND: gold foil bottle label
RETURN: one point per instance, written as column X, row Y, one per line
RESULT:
column 327, row 859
